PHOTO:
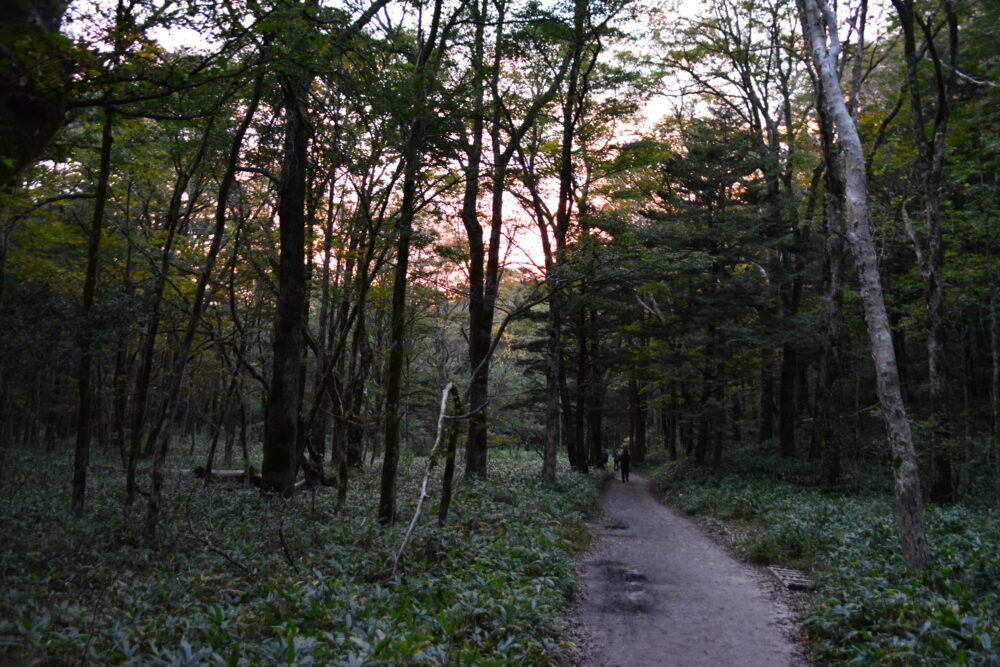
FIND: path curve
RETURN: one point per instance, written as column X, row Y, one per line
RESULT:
column 657, row 592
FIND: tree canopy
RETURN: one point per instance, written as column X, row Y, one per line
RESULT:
column 605, row 223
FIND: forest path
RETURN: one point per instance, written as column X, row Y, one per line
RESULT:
column 657, row 591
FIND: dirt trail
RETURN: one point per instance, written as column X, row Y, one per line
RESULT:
column 657, row 591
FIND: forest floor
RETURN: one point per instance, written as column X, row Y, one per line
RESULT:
column 656, row 590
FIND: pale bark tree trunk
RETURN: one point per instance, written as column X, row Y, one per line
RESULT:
column 431, row 459
column 820, row 28
column 448, row 476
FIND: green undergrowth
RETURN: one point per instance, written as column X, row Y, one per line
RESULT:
column 240, row 579
column 868, row 607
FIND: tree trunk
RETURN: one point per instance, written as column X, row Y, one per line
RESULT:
column 832, row 365
column 995, row 386
column 221, row 419
column 820, row 28
column 594, row 399
column 787, row 412
column 580, row 412
column 766, row 431
column 120, row 399
column 480, row 322
column 553, row 431
column 143, row 379
column 448, row 475
column 81, row 458
column 567, row 419
column 318, row 416
column 641, row 414
column 717, row 426
column 484, row 285
column 555, row 256
column 404, row 228
column 672, row 423
column 930, row 166
column 280, row 463
column 701, row 442
column 361, row 358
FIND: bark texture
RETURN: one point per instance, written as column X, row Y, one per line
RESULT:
column 280, row 462
column 820, row 27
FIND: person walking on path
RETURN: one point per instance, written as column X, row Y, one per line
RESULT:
column 623, row 461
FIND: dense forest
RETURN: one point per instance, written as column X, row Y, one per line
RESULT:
column 313, row 247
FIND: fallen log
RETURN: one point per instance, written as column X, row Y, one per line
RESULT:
column 234, row 475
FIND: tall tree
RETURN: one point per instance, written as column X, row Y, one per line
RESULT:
column 743, row 56
column 820, row 27
column 83, row 430
column 423, row 79
column 284, row 401
column 929, row 136
column 280, row 464
column 507, row 130
column 120, row 41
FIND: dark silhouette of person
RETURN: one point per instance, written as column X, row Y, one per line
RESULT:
column 623, row 462
column 618, row 460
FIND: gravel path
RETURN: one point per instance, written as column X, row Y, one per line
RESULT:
column 657, row 591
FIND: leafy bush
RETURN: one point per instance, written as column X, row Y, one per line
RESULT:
column 867, row 608
column 241, row 579
column 871, row 609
